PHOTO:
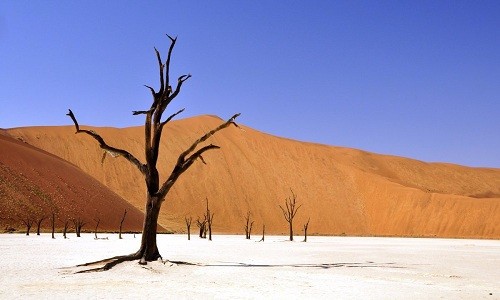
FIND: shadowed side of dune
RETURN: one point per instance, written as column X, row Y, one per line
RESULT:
column 35, row 184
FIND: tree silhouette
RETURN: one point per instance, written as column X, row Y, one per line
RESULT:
column 291, row 211
column 248, row 226
column 153, row 128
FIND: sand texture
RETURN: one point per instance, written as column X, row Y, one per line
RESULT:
column 343, row 191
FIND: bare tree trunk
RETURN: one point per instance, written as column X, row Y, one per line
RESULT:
column 65, row 229
column 121, row 225
column 97, row 220
column 202, row 225
column 188, row 225
column 248, row 226
column 39, row 224
column 263, row 232
column 28, row 222
column 305, row 229
column 79, row 223
column 149, row 250
column 210, row 219
column 53, row 225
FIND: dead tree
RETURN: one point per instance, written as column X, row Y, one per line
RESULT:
column 121, row 224
column 53, row 221
column 202, row 225
column 210, row 219
column 305, row 229
column 291, row 211
column 39, row 224
column 263, row 232
column 153, row 128
column 28, row 222
column 97, row 221
column 65, row 228
column 78, row 223
column 248, row 226
column 188, row 225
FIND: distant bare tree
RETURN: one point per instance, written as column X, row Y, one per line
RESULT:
column 188, row 225
column 305, row 229
column 39, row 224
column 210, row 218
column 97, row 221
column 79, row 223
column 28, row 222
column 248, row 226
column 121, row 224
column 65, row 228
column 291, row 211
column 263, row 232
column 53, row 221
column 202, row 224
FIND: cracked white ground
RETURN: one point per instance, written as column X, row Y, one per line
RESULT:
column 232, row 267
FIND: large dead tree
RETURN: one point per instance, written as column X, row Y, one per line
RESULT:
column 153, row 129
column 291, row 211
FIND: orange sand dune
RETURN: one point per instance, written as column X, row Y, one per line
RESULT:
column 343, row 191
column 34, row 183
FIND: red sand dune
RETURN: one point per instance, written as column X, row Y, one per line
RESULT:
column 342, row 190
column 34, row 183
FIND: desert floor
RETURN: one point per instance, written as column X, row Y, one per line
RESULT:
column 231, row 267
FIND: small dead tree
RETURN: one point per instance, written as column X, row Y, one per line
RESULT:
column 248, row 226
column 53, row 221
column 65, row 228
column 263, row 232
column 188, row 225
column 210, row 218
column 39, row 224
column 97, row 221
column 121, row 224
column 202, row 224
column 156, row 191
column 78, row 223
column 291, row 211
column 28, row 222
column 305, row 229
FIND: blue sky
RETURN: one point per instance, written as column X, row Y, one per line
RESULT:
column 419, row 79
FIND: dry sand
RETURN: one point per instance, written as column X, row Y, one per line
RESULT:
column 343, row 191
column 34, row 183
column 231, row 267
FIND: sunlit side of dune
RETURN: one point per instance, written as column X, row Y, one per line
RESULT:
column 342, row 191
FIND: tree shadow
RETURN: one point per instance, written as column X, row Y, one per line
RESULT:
column 368, row 264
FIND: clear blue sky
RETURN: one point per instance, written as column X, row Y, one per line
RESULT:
column 419, row 79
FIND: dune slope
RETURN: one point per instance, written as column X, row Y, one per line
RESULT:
column 34, row 184
column 343, row 191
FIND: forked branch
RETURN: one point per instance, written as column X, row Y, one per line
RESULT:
column 186, row 159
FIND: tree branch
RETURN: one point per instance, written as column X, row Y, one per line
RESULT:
column 127, row 155
column 184, row 163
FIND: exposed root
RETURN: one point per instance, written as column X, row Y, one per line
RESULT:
column 108, row 263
